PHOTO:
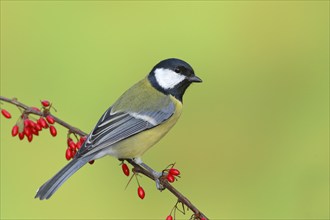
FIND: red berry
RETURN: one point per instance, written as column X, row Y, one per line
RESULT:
column 42, row 122
column 174, row 172
column 50, row 119
column 45, row 103
column 35, row 131
column 91, row 162
column 73, row 152
column 68, row 154
column 26, row 123
column 82, row 139
column 32, row 124
column 169, row 217
column 170, row 178
column 29, row 123
column 52, row 130
column 72, row 145
column 27, row 131
column 203, row 218
column 21, row 135
column 141, row 192
column 125, row 169
column 78, row 145
column 38, row 127
column 30, row 137
column 14, row 131
column 5, row 113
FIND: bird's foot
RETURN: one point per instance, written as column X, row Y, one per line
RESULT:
column 156, row 175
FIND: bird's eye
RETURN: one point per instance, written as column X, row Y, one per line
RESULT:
column 177, row 70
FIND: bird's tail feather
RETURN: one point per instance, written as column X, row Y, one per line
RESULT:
column 50, row 187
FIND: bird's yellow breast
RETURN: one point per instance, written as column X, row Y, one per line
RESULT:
column 138, row 144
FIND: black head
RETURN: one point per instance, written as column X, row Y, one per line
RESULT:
column 172, row 76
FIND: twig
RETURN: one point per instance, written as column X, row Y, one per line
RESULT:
column 184, row 200
column 30, row 110
column 137, row 168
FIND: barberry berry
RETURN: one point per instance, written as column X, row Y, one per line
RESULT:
column 68, row 154
column 170, row 178
column 14, row 131
column 53, row 131
column 125, row 169
column 45, row 103
column 5, row 113
column 50, row 119
column 141, row 192
column 169, row 217
column 174, row 172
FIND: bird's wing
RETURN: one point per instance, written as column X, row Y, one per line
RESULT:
column 116, row 126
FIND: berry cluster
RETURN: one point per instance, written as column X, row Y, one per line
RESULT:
column 73, row 147
column 29, row 127
column 172, row 173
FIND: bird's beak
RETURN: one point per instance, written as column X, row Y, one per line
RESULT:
column 195, row 79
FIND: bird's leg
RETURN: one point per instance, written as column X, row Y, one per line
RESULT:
column 156, row 174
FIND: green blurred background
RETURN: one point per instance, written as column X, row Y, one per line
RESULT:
column 253, row 138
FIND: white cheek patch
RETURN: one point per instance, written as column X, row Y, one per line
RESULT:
column 167, row 78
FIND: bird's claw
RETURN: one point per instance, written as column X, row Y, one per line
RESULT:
column 157, row 176
column 159, row 186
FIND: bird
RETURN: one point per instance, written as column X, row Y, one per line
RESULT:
column 139, row 118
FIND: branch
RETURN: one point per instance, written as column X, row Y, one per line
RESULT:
column 137, row 168
column 31, row 110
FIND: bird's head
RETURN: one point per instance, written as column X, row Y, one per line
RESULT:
column 173, row 76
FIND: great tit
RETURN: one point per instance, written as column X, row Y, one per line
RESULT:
column 135, row 122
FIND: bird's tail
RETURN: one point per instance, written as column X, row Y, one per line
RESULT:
column 50, row 187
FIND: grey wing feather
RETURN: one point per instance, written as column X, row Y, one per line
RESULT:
column 116, row 126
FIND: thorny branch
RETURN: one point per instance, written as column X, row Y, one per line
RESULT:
column 137, row 168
